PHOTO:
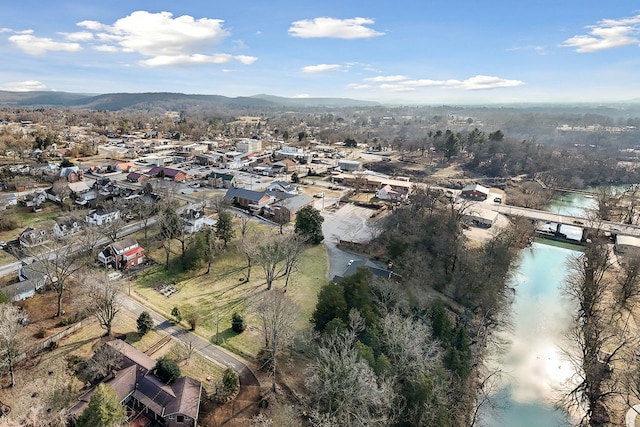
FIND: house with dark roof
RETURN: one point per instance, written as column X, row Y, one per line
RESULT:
column 377, row 269
column 64, row 227
column 123, row 254
column 147, row 399
column 221, row 180
column 33, row 237
column 137, row 177
column 285, row 187
column 286, row 210
column 248, row 199
column 71, row 174
column 170, row 173
column 31, row 278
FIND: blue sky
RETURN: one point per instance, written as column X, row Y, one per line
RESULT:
column 400, row 51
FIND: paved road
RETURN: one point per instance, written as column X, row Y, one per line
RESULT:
column 215, row 354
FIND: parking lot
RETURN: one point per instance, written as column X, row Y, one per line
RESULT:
column 349, row 222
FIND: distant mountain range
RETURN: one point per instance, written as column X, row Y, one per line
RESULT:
column 164, row 101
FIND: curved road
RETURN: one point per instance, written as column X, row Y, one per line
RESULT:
column 213, row 353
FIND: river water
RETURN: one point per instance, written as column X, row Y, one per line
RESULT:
column 535, row 369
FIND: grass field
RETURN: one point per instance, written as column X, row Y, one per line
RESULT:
column 216, row 296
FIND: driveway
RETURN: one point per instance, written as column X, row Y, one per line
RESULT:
column 351, row 223
column 215, row 354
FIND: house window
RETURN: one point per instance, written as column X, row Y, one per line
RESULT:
column 179, row 418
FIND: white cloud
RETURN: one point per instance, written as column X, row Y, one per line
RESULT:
column 164, row 40
column 404, row 84
column 105, row 48
column 302, row 96
column 354, row 28
column 380, row 79
column 358, row 86
column 245, row 59
column 606, row 34
column 79, row 36
column 24, row 86
column 195, row 59
column 33, row 45
column 540, row 50
column 5, row 30
column 320, row 68
column 483, row 82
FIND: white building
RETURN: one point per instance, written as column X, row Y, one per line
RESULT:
column 100, row 217
column 249, row 145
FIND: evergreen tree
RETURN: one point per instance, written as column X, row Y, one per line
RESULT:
column 145, row 323
column 103, row 410
column 224, row 227
column 309, row 224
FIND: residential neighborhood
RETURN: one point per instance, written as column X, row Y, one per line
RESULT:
column 123, row 249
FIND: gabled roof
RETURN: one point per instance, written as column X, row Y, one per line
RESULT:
column 168, row 172
column 296, row 202
column 121, row 245
column 476, row 187
column 222, row 176
column 78, row 187
column 243, row 193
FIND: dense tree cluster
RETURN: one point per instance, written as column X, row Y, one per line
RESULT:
column 417, row 345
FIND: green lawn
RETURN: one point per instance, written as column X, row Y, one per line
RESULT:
column 216, row 296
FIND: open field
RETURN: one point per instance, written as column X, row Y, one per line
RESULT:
column 216, row 296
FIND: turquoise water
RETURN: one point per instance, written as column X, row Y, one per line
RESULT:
column 535, row 369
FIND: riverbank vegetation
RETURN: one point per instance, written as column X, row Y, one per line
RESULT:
column 603, row 340
column 412, row 347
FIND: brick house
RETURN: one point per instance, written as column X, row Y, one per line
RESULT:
column 170, row 173
column 122, row 255
column 147, row 400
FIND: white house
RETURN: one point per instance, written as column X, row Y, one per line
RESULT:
column 388, row 193
column 285, row 187
column 100, row 217
column 66, row 227
column 193, row 220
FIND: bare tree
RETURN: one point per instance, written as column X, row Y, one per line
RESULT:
column 57, row 265
column 170, row 228
column 111, row 230
column 105, row 360
column 293, row 248
column 89, row 239
column 211, row 247
column 244, row 224
column 10, row 316
column 278, row 315
column 248, row 246
column 269, row 254
column 344, row 389
column 105, row 299
column 628, row 281
column 597, row 342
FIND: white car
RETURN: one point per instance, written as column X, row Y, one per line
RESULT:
column 350, row 262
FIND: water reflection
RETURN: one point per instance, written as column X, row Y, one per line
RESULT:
column 535, row 367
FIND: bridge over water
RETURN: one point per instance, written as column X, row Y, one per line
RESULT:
column 544, row 216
